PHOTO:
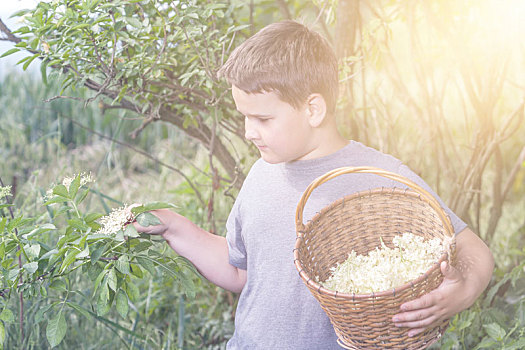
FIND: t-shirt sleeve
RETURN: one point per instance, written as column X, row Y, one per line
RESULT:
column 234, row 238
column 458, row 224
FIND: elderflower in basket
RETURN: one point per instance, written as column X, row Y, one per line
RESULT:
column 385, row 268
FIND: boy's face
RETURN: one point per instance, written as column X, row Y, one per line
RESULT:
column 280, row 132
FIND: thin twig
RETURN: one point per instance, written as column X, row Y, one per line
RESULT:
column 64, row 97
column 145, row 154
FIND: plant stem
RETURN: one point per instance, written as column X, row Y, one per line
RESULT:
column 76, row 209
column 21, row 295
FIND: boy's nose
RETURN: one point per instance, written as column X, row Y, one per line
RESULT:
column 249, row 130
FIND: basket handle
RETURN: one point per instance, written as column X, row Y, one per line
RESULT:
column 370, row 170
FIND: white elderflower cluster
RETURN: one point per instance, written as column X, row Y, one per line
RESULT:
column 385, row 268
column 84, row 179
column 48, row 195
column 115, row 221
column 5, row 191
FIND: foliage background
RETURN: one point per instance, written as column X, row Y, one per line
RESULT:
column 136, row 102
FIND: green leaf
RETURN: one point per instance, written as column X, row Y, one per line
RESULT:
column 136, row 271
column 20, row 13
column 131, row 231
column 69, row 259
column 92, row 217
column 80, row 26
column 28, row 62
column 142, row 246
column 465, row 322
column 3, row 222
column 32, row 250
column 82, row 196
column 2, row 335
column 10, row 52
column 79, row 308
column 56, row 329
column 104, row 292
column 486, row 343
column 47, row 227
column 43, row 71
column 94, row 270
column 39, row 316
column 147, row 264
column 132, row 290
column 2, row 250
column 495, row 331
column 56, row 199
column 95, row 256
column 103, row 305
column 100, row 276
column 14, row 223
column 148, row 219
column 74, row 186
column 516, row 345
column 134, row 22
column 13, row 274
column 112, row 280
column 58, row 285
column 152, row 206
column 193, row 15
column 61, row 190
column 84, row 252
column 122, row 264
column 31, row 267
column 7, row 316
column 97, row 236
column 119, row 236
column 121, row 94
column 49, row 254
column 122, row 303
column 78, row 224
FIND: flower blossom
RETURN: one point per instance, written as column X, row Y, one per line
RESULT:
column 5, row 191
column 385, row 268
column 115, row 221
column 84, row 179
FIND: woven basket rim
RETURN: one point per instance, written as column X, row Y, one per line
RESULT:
column 386, row 293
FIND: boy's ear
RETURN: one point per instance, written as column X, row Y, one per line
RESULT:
column 316, row 109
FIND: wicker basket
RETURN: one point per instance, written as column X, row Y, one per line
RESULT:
column 364, row 321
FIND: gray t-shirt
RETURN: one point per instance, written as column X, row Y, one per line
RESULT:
column 276, row 310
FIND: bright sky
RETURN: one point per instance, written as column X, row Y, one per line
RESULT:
column 7, row 8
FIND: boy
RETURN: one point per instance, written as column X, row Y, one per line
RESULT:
column 284, row 81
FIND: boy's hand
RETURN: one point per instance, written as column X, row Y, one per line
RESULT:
column 164, row 215
column 432, row 308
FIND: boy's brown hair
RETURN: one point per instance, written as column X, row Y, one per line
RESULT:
column 286, row 58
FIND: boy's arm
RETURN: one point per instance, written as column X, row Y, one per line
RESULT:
column 461, row 286
column 208, row 252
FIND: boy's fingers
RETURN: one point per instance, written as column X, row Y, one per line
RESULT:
column 422, row 302
column 152, row 230
column 416, row 331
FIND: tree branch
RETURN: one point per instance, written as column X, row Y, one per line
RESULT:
column 10, row 36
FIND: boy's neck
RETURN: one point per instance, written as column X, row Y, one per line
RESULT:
column 334, row 144
column 330, row 142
